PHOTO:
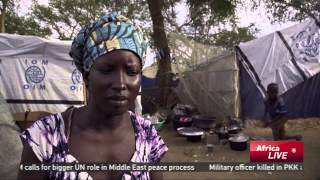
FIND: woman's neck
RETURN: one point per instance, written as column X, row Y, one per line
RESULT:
column 93, row 118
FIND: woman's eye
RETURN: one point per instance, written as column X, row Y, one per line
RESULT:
column 132, row 72
column 104, row 71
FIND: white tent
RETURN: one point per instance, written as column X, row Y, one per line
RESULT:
column 290, row 58
column 38, row 74
column 209, row 77
column 212, row 87
column 216, row 82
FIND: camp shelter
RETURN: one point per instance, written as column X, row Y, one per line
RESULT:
column 212, row 87
column 10, row 144
column 219, row 85
column 290, row 58
column 38, row 74
column 208, row 77
column 150, row 77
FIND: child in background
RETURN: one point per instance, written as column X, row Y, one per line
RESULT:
column 276, row 109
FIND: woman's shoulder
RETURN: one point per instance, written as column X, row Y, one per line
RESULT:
column 55, row 121
column 49, row 121
column 140, row 121
column 43, row 135
column 45, row 127
column 148, row 134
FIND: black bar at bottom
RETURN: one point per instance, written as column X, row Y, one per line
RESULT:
column 28, row 101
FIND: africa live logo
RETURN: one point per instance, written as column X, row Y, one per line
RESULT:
column 276, row 151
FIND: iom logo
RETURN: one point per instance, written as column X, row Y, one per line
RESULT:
column 307, row 43
column 76, row 77
column 35, row 74
column 77, row 81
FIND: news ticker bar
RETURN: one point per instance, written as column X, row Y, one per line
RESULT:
column 167, row 167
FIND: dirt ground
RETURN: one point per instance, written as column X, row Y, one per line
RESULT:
column 181, row 150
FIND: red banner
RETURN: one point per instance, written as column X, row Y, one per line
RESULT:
column 276, row 151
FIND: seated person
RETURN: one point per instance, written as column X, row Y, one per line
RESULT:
column 110, row 54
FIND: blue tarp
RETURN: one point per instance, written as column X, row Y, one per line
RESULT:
column 302, row 101
column 149, row 82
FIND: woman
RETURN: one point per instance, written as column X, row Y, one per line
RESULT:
column 110, row 54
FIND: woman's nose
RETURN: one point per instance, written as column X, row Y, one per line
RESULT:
column 119, row 81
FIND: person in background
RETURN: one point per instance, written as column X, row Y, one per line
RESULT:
column 110, row 54
column 276, row 110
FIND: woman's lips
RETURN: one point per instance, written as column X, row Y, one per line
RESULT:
column 117, row 100
column 116, row 97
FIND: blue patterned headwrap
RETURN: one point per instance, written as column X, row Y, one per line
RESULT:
column 108, row 33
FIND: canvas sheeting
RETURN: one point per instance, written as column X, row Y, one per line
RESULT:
column 10, row 144
column 208, row 77
column 38, row 74
column 212, row 88
column 187, row 54
column 290, row 58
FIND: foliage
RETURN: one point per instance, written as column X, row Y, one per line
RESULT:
column 207, row 14
column 25, row 26
column 208, row 21
column 5, row 6
column 230, row 39
column 284, row 10
column 66, row 17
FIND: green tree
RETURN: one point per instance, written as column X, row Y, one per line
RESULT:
column 209, row 20
column 66, row 17
column 230, row 39
column 210, row 16
column 5, row 6
column 292, row 10
column 161, row 42
column 15, row 24
column 11, row 22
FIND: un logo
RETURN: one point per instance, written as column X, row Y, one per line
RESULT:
column 34, row 74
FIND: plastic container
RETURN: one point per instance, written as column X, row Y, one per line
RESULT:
column 158, row 125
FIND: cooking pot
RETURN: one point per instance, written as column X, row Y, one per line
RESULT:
column 204, row 122
column 239, row 142
column 182, row 121
column 234, row 129
column 193, row 134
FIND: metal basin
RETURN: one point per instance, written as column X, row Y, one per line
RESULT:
column 204, row 122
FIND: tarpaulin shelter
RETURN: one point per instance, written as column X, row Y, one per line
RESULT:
column 10, row 144
column 38, row 74
column 209, row 77
column 220, row 85
column 212, row 87
column 290, row 58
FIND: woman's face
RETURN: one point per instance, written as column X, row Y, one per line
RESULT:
column 114, row 81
